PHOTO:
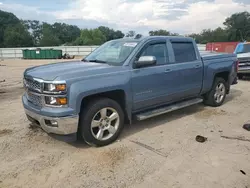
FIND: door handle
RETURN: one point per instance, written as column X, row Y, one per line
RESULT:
column 197, row 66
column 167, row 70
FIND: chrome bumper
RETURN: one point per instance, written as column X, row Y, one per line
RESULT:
column 65, row 125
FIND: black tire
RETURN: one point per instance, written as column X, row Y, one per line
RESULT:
column 90, row 112
column 240, row 76
column 210, row 96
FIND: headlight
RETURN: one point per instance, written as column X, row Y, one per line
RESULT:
column 54, row 87
column 56, row 101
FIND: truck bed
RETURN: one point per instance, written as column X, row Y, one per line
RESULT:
column 206, row 55
column 213, row 62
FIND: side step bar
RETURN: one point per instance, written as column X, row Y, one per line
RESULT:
column 166, row 109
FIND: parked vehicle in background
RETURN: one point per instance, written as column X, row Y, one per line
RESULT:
column 123, row 80
column 243, row 54
column 227, row 47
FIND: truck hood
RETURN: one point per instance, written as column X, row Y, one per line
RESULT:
column 69, row 70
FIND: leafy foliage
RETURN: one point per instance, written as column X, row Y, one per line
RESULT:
column 17, row 36
column 110, row 34
column 131, row 34
column 162, row 32
column 49, row 36
column 35, row 27
column 238, row 26
column 90, row 37
column 66, row 33
column 7, row 20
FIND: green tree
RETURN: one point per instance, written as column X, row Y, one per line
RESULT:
column 110, row 34
column 66, row 33
column 196, row 37
column 35, row 27
column 238, row 26
column 17, row 36
column 220, row 35
column 90, row 37
column 118, row 34
column 208, row 35
column 131, row 34
column 49, row 37
column 6, row 20
column 162, row 32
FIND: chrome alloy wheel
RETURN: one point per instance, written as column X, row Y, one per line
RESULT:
column 220, row 92
column 105, row 123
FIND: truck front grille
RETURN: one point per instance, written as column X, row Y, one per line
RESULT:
column 33, row 84
column 245, row 64
column 34, row 99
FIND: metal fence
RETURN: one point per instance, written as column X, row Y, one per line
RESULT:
column 16, row 53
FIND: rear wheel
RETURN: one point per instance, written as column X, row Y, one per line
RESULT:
column 102, row 122
column 216, row 96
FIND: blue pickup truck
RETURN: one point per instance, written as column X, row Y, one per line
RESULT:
column 124, row 80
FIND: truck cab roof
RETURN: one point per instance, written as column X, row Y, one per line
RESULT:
column 147, row 38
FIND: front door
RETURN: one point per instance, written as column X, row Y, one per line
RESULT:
column 148, row 83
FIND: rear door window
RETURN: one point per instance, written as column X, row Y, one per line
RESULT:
column 184, row 52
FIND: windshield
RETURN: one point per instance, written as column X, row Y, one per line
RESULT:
column 113, row 52
column 242, row 48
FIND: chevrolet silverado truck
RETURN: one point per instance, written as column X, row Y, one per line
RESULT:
column 124, row 80
column 243, row 54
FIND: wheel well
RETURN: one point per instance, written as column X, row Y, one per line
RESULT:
column 116, row 95
column 225, row 76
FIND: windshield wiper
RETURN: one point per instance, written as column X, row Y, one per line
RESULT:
column 94, row 60
column 97, row 61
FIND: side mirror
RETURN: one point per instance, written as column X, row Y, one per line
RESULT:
column 145, row 61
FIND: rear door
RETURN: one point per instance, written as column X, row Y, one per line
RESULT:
column 187, row 67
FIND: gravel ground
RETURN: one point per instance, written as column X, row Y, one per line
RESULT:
column 160, row 152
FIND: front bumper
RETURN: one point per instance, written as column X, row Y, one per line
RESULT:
column 66, row 121
column 65, row 125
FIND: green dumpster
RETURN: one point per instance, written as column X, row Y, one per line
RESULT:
column 29, row 54
column 42, row 54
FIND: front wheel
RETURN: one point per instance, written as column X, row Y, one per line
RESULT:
column 102, row 122
column 216, row 96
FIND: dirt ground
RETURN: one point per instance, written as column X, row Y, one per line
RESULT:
column 159, row 152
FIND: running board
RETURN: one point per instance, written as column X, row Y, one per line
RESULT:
column 166, row 109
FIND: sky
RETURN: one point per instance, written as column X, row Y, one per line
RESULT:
column 181, row 16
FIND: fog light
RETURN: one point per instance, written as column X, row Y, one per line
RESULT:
column 51, row 123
